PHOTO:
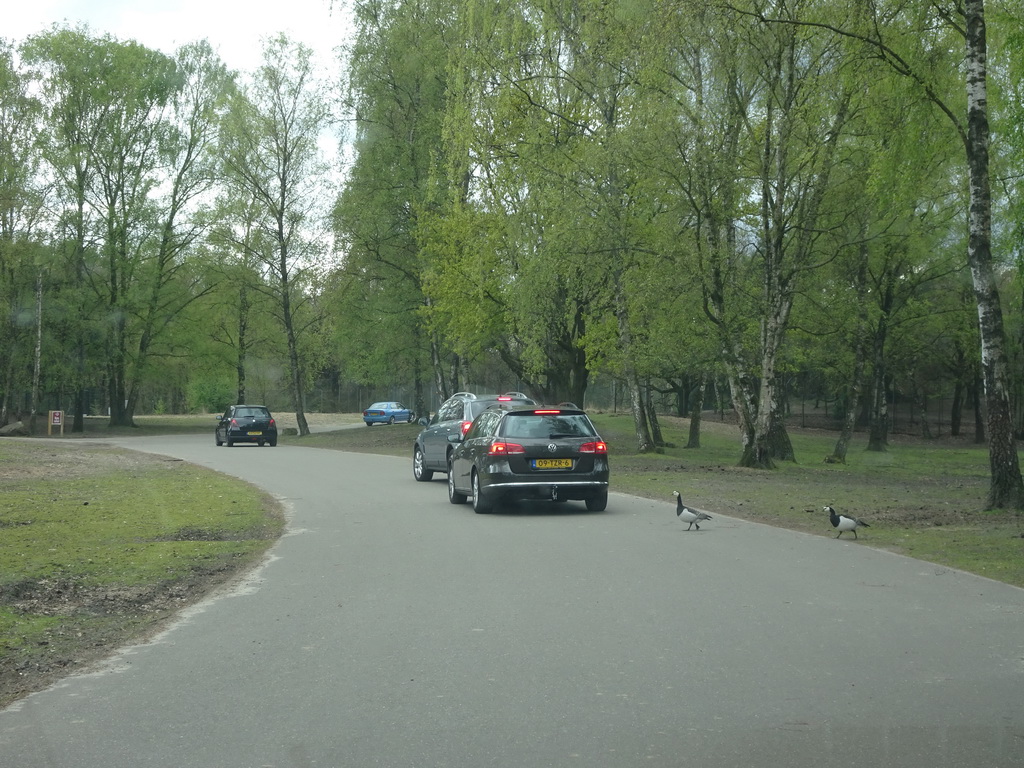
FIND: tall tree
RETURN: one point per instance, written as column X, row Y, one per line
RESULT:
column 903, row 36
column 70, row 66
column 137, row 84
column 270, row 144
column 20, row 206
column 397, row 83
column 763, row 113
column 167, row 280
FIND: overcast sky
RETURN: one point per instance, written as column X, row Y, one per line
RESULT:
column 233, row 27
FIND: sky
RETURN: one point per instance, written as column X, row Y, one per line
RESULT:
column 233, row 27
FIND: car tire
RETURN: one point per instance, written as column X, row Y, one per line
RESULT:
column 217, row 440
column 391, row 420
column 419, row 471
column 454, row 497
column 411, row 417
column 598, row 503
column 273, row 442
column 230, row 443
column 481, row 503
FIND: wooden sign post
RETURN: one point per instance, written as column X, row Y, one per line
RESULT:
column 56, row 420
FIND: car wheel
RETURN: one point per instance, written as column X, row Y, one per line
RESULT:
column 369, row 423
column 454, row 496
column 273, row 442
column 391, row 420
column 411, row 417
column 598, row 503
column 231, row 443
column 481, row 504
column 420, row 472
column 216, row 439
column 260, row 443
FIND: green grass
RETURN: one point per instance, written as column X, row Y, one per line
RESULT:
column 99, row 426
column 98, row 544
column 387, row 440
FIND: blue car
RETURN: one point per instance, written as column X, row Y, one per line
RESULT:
column 387, row 412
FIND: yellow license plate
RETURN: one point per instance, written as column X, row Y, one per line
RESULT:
column 552, row 463
column 255, row 434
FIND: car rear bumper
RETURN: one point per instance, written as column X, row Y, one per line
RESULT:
column 245, row 437
column 548, row 489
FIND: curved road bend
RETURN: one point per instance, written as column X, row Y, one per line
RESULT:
column 389, row 628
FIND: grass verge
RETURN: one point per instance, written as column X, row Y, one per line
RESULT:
column 99, row 545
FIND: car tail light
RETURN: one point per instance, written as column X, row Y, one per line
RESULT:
column 465, row 427
column 598, row 447
column 505, row 449
column 272, row 422
column 545, row 412
column 234, row 422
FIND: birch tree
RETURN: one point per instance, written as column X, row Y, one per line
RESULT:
column 910, row 55
column 20, row 208
column 69, row 66
column 270, row 145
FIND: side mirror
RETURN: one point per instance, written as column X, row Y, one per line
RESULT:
column 455, row 437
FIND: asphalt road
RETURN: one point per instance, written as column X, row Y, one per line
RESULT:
column 390, row 628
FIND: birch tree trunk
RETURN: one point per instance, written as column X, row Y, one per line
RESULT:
column 1006, row 489
column 878, row 431
column 37, row 354
column 693, row 440
column 644, row 441
column 853, row 392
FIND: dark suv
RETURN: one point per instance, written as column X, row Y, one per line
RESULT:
column 530, row 453
column 432, row 447
column 246, row 424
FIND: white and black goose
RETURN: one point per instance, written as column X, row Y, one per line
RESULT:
column 688, row 515
column 844, row 523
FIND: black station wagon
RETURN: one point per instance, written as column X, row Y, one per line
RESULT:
column 529, row 453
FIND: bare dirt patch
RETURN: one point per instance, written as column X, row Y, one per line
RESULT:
column 90, row 623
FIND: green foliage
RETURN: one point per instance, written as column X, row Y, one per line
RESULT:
column 633, row 189
column 208, row 394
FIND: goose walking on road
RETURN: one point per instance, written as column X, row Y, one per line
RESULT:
column 687, row 515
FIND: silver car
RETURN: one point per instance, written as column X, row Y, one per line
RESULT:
column 432, row 448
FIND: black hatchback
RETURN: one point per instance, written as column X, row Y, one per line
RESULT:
column 529, row 453
column 246, row 424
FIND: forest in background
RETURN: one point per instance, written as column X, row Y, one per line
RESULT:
column 739, row 205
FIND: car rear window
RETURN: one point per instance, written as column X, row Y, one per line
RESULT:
column 251, row 412
column 527, row 424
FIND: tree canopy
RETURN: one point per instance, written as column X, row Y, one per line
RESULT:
column 596, row 202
